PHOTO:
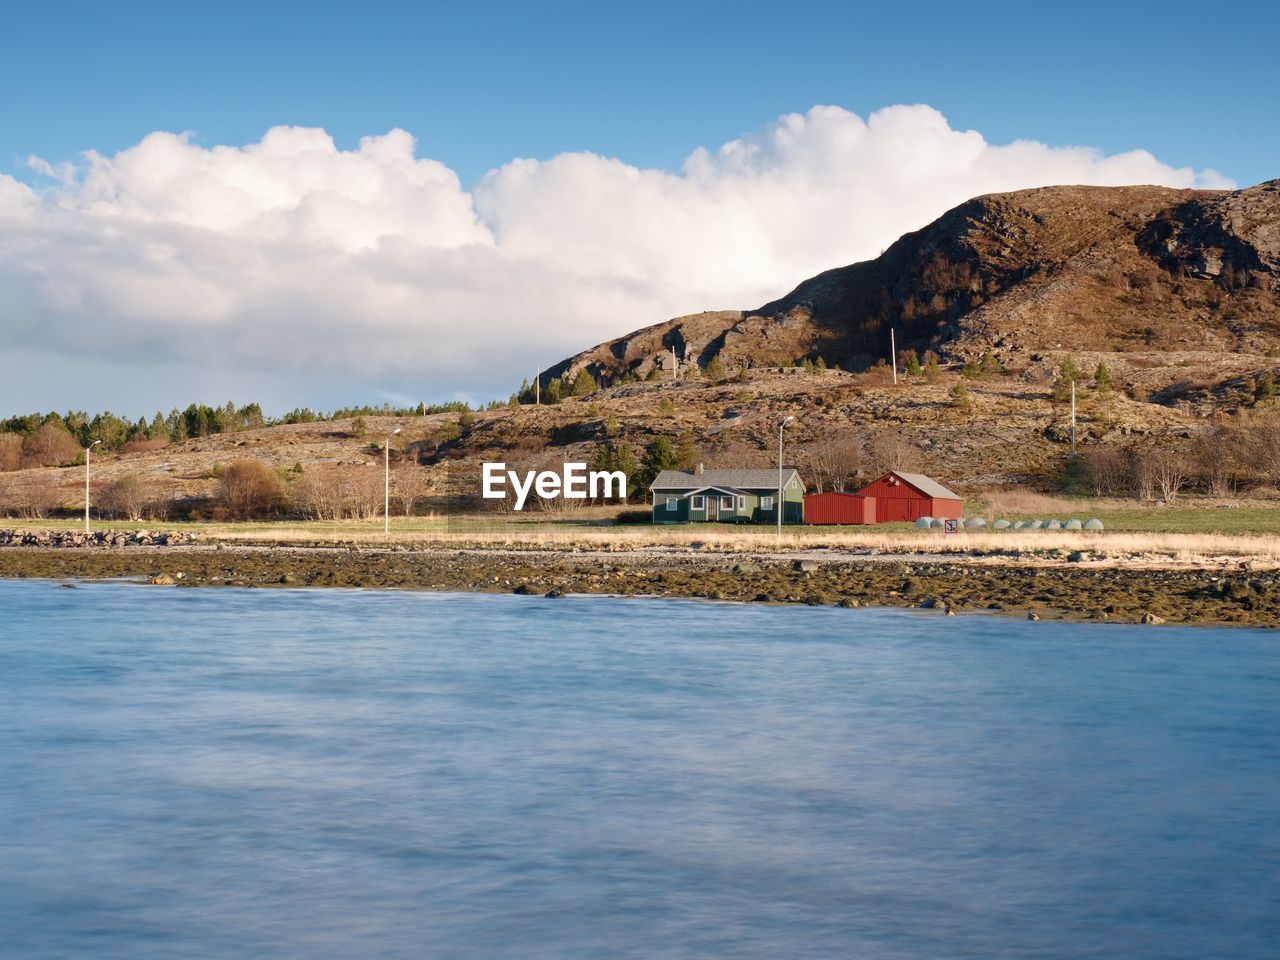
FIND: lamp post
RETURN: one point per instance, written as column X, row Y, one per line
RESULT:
column 386, row 481
column 87, row 451
column 781, row 426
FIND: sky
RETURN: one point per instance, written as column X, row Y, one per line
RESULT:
column 328, row 204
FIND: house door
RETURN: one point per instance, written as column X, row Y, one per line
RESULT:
column 713, row 508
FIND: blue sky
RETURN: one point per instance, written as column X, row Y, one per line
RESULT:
column 1196, row 84
column 306, row 267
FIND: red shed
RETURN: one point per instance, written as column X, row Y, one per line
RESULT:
column 910, row 496
column 839, row 508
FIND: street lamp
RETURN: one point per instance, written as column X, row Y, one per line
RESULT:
column 386, row 486
column 87, row 451
column 781, row 426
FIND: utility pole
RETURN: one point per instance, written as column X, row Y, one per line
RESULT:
column 893, row 355
column 537, row 388
column 87, row 450
column 386, row 481
column 675, row 364
column 1073, row 417
column 778, row 506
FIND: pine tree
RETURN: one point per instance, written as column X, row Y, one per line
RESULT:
column 1102, row 379
column 932, row 369
column 990, row 366
column 912, row 367
column 686, row 454
column 820, row 364
column 1265, row 387
column 715, row 369
column 584, row 384
column 1068, row 374
column 960, row 397
column 658, row 456
column 552, row 393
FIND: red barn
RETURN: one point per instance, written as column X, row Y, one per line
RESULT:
column 910, row 496
column 839, row 508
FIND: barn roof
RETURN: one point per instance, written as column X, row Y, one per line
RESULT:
column 686, row 481
column 926, row 485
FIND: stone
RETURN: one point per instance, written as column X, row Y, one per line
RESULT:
column 1032, row 615
column 163, row 579
column 1150, row 617
column 1073, row 525
column 804, row 566
column 1001, row 525
column 554, row 594
column 848, row 603
column 1093, row 524
column 1075, row 556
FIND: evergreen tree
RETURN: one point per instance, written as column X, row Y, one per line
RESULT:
column 658, row 456
column 1102, row 379
column 912, row 367
column 552, row 393
column 990, row 366
column 584, row 384
column 715, row 369
column 932, row 369
column 960, row 397
column 686, row 454
column 820, row 364
column 742, row 374
column 1068, row 374
column 1265, row 387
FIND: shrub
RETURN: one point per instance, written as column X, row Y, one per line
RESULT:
column 10, row 452
column 248, row 489
column 339, row 491
column 715, row 369
column 960, row 398
column 125, row 498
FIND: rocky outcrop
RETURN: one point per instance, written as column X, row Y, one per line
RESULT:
column 98, row 538
column 1101, row 269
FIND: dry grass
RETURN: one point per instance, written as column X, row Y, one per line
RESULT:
column 1019, row 503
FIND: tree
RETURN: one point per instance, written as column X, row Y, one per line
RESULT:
column 358, row 426
column 715, row 369
column 960, row 397
column 658, row 456
column 10, row 452
column 126, row 497
column 1068, row 374
column 554, row 390
column 990, row 366
column 584, row 384
column 1264, row 387
column 51, row 445
column 912, row 366
column 932, row 369
column 686, row 453
column 249, row 488
column 1102, row 380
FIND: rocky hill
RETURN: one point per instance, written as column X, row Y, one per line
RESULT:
column 1186, row 282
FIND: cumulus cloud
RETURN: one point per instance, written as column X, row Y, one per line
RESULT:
column 292, row 256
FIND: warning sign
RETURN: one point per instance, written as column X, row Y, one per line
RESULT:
column 950, row 526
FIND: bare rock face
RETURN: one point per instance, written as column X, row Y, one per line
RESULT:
column 1085, row 269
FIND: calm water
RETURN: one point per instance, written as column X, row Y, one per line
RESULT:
column 264, row 774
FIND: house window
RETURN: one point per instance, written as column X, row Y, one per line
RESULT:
column 766, row 503
column 726, row 503
column 699, row 503
column 671, row 504
column 742, row 503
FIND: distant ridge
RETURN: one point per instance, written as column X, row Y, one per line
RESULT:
column 1110, row 269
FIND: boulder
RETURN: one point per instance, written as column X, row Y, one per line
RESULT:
column 1094, row 524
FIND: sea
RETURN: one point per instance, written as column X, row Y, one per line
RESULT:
column 276, row 773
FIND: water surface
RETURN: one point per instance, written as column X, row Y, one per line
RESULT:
column 324, row 774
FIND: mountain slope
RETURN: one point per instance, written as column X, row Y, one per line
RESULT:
column 1126, row 270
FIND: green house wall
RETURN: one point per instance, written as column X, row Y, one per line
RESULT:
column 793, row 508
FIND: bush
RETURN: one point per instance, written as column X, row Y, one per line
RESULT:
column 248, row 489
column 125, row 498
column 338, row 491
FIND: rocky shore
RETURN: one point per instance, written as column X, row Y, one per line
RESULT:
column 1059, row 590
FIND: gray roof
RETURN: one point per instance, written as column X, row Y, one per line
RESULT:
column 927, row 486
column 685, row 481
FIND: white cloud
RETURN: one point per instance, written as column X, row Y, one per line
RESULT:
column 290, row 256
